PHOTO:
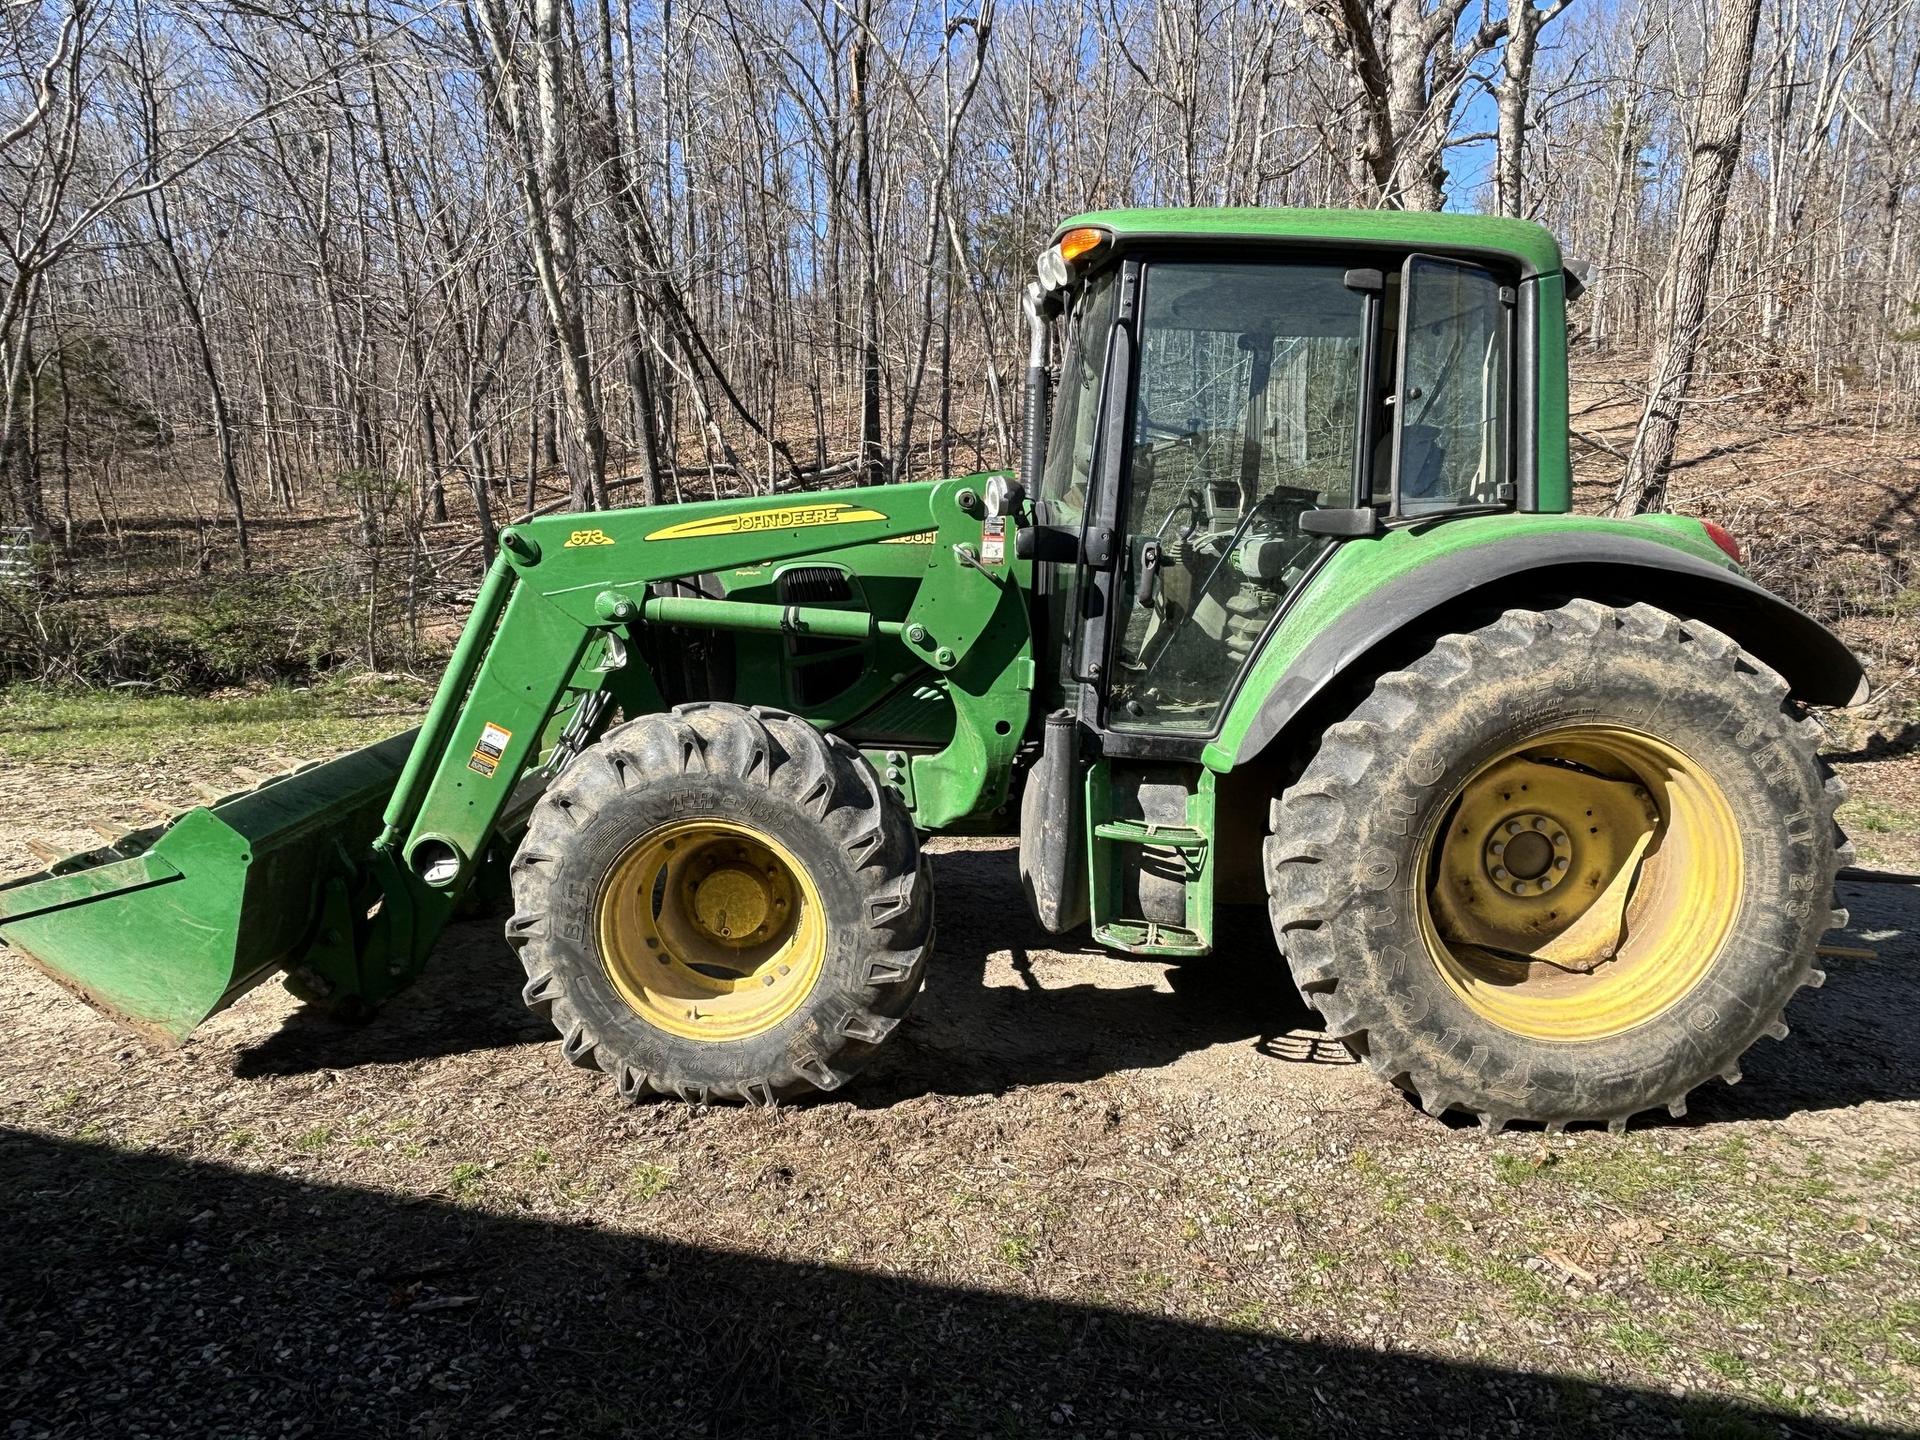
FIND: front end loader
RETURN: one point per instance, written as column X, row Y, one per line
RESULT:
column 1285, row 605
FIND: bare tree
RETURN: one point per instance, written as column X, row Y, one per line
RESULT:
column 1713, row 150
column 536, row 127
column 446, row 263
column 1514, row 92
column 1411, row 63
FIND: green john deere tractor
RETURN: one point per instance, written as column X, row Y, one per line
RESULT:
column 1285, row 604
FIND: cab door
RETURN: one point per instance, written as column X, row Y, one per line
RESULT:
column 1247, row 401
column 1063, row 502
column 1073, row 505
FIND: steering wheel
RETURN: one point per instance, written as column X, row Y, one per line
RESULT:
column 1191, row 503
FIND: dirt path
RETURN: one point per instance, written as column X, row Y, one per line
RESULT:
column 1081, row 1195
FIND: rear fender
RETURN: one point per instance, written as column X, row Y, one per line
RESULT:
column 1460, row 588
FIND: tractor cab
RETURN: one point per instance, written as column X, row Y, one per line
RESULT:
column 1234, row 395
column 1223, row 415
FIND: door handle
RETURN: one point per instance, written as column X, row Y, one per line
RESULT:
column 1149, row 577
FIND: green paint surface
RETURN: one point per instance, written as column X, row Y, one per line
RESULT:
column 1533, row 246
column 1359, row 568
column 1552, row 464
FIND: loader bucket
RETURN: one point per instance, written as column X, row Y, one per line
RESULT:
column 169, row 924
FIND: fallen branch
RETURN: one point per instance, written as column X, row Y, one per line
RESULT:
column 1597, row 443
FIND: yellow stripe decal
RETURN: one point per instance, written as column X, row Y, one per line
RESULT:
column 793, row 517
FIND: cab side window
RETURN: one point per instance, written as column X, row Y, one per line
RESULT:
column 1450, row 432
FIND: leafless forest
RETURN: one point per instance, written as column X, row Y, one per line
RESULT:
column 435, row 263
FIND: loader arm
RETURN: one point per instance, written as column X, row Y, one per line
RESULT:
column 173, row 923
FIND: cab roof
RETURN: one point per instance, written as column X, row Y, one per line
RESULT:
column 1522, row 241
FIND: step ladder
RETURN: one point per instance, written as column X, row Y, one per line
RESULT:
column 1116, row 846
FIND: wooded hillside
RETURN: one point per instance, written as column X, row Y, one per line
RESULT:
column 434, row 264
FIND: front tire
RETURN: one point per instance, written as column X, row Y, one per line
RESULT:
column 1563, row 868
column 721, row 903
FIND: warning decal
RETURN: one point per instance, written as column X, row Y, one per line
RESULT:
column 993, row 540
column 492, row 745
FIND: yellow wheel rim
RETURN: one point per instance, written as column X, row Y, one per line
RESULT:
column 711, row 930
column 1581, row 884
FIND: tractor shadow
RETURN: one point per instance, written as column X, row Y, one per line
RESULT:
column 466, row 1001
column 1006, row 1004
column 168, row 1296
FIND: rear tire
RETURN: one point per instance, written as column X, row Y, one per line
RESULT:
column 1679, row 913
column 655, row 946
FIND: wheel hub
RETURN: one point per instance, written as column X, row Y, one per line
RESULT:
column 732, row 903
column 710, row 930
column 1528, row 855
column 1581, row 884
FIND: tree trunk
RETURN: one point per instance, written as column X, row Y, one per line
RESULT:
column 1418, row 178
column 872, row 464
column 1696, row 246
column 1512, row 94
column 16, row 456
column 210, row 375
column 587, row 449
column 538, row 136
column 633, row 340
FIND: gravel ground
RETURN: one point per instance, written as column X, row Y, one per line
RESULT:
column 1080, row 1196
